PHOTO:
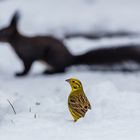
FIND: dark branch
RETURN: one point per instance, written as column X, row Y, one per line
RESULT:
column 99, row 35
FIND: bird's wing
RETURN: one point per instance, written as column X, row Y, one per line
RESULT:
column 85, row 102
column 79, row 104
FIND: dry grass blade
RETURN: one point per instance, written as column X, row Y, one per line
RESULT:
column 12, row 107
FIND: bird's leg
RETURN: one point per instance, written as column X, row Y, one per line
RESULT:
column 75, row 120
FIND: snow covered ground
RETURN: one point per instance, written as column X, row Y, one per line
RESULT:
column 41, row 101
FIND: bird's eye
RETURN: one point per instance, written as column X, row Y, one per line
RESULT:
column 73, row 81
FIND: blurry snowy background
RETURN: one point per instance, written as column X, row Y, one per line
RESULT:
column 41, row 101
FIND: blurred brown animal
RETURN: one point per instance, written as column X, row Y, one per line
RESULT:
column 54, row 53
column 29, row 49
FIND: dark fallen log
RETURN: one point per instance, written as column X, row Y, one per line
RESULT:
column 100, row 35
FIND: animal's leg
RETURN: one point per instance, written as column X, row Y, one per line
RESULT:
column 27, row 67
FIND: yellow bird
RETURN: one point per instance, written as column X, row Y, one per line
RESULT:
column 77, row 101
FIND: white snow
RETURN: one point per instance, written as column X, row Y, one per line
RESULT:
column 41, row 101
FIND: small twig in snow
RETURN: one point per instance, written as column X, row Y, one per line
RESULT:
column 30, row 109
column 12, row 107
column 35, row 116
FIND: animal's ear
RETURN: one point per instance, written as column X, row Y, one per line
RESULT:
column 15, row 19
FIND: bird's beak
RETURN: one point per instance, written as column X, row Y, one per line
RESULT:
column 67, row 80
